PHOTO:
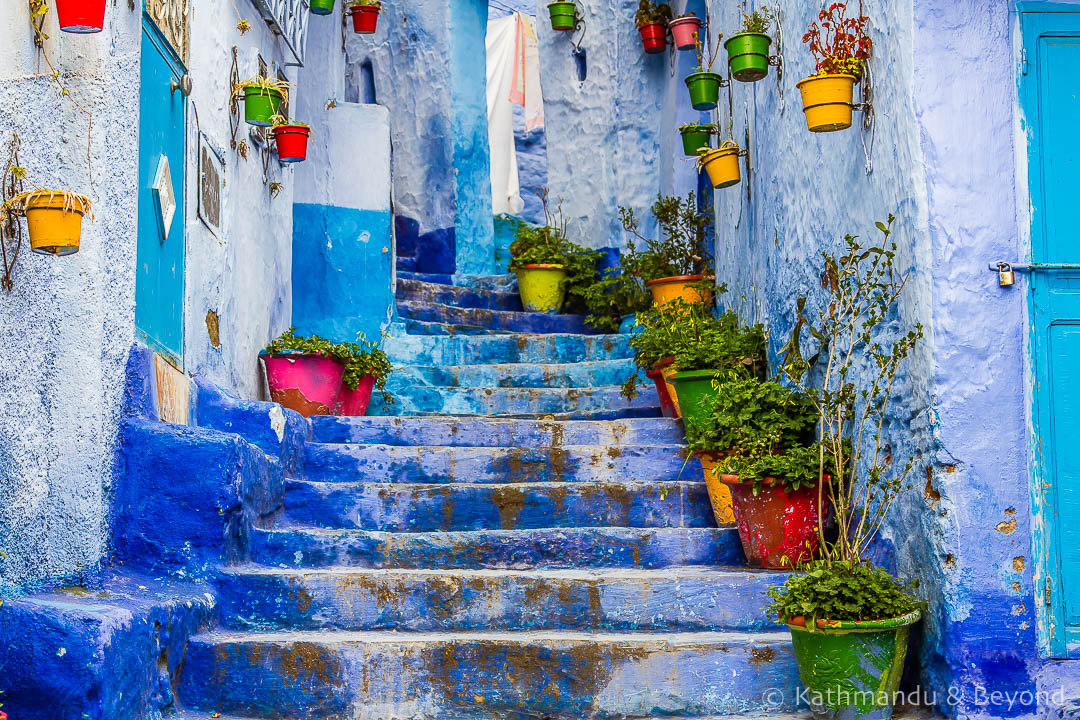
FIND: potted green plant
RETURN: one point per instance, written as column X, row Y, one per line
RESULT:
column 845, row 614
column 652, row 20
column 563, row 15
column 704, row 85
column 685, row 30
column 841, row 47
column 611, row 299
column 365, row 15
column 53, row 219
column 678, row 264
column 748, row 49
column 263, row 97
column 696, row 137
column 291, row 139
column 652, row 342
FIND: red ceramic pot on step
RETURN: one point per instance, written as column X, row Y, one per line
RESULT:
column 81, row 16
column 778, row 528
column 654, row 37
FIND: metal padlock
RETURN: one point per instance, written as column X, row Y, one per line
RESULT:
column 1006, row 274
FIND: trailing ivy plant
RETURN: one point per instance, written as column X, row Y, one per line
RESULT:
column 683, row 248
column 652, row 12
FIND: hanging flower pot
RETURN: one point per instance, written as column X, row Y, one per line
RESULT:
column 322, row 7
column 292, row 142
column 828, row 101
column 53, row 220
column 778, row 528
column 722, row 165
column 365, row 16
column 685, row 31
column 354, row 402
column 81, row 16
column 653, row 37
column 704, row 89
column 262, row 98
column 852, row 669
column 696, row 137
column 307, row 383
column 541, row 287
column 663, row 393
column 719, row 493
column 748, row 56
column 665, row 290
column 563, row 15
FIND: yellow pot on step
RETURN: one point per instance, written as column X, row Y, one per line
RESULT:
column 827, row 101
column 722, row 164
column 541, row 287
column 719, row 493
column 54, row 222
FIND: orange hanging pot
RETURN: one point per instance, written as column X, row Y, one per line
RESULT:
column 54, row 220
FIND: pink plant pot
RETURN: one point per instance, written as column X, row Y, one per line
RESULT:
column 354, row 403
column 308, row 384
column 685, row 31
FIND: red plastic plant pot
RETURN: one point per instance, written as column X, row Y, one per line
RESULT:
column 81, row 16
column 778, row 528
column 365, row 18
column 654, row 37
column 292, row 142
column 354, row 403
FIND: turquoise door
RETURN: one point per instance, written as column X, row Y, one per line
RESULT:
column 1050, row 89
column 159, row 279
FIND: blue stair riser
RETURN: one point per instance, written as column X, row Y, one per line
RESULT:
column 442, row 508
column 412, row 399
column 487, row 432
column 405, row 263
column 493, row 320
column 677, row 600
column 489, row 349
column 499, row 549
column 438, row 329
column 396, row 464
column 391, row 676
column 463, row 297
column 605, row 373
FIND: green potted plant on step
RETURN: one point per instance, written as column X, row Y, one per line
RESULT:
column 262, row 97
column 679, row 264
column 652, row 20
column 704, row 85
column 850, row 620
column 697, row 138
column 748, row 49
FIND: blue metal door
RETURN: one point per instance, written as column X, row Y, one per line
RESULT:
column 159, row 280
column 1050, row 89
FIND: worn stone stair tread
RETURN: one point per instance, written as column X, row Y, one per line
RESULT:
column 457, row 295
column 494, row 320
column 514, row 401
column 723, row 638
column 503, row 348
column 595, row 373
column 484, row 431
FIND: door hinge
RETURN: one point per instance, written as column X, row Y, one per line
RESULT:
column 1023, row 61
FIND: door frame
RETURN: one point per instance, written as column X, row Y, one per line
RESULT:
column 157, row 38
column 1051, row 627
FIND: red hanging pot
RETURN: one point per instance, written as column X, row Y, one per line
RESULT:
column 292, row 141
column 654, row 37
column 81, row 16
column 365, row 18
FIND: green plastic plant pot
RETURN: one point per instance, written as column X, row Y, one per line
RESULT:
column 260, row 105
column 852, row 670
column 541, row 287
column 704, row 89
column 563, row 15
column 748, row 56
column 322, row 7
column 692, row 387
column 693, row 140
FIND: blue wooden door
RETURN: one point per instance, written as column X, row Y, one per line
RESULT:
column 1050, row 89
column 159, row 280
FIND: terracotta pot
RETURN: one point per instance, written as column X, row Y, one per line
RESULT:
column 778, row 528
column 308, row 384
column 719, row 493
column 667, row 401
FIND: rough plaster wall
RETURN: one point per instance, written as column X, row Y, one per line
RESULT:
column 243, row 275
column 68, row 322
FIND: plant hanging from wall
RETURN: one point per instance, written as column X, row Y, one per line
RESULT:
column 564, row 15
column 685, row 31
column 81, row 16
column 291, row 138
column 704, row 85
column 722, row 164
column 14, row 184
column 652, row 20
column 263, row 97
column 841, row 48
column 365, row 15
column 748, row 49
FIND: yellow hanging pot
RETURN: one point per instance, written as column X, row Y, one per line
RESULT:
column 54, row 220
column 828, row 101
column 722, row 165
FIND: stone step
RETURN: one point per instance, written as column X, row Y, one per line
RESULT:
column 493, row 320
column 416, row 399
column 670, row 600
column 490, row 432
column 598, row 373
column 438, row 278
column 434, row 464
column 423, row 327
column 519, row 506
column 405, row 263
column 463, row 297
column 498, row 549
column 504, row 283
column 392, row 675
column 497, row 349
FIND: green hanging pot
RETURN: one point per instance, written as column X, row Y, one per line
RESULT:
column 748, row 56
column 260, row 104
column 692, row 387
column 704, row 89
column 322, row 7
column 563, row 15
column 694, row 138
column 852, row 670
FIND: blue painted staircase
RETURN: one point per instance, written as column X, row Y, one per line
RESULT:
column 516, row 541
